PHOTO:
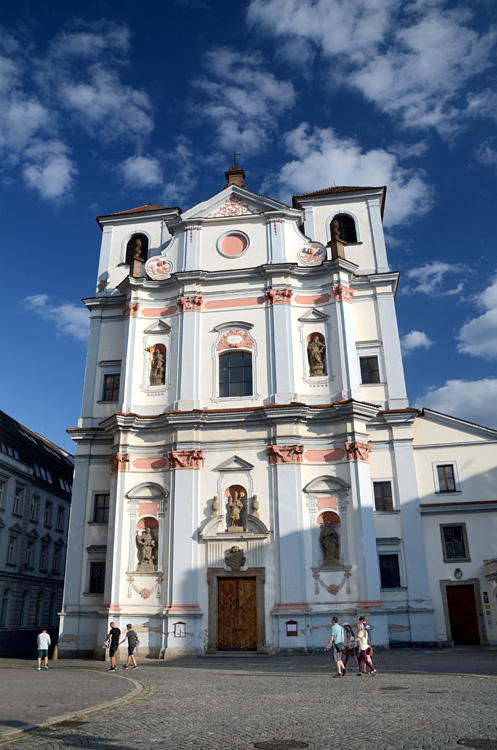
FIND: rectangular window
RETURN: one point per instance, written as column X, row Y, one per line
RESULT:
column 383, row 499
column 235, row 374
column 29, row 554
column 454, row 542
column 446, row 479
column 43, row 557
column 97, row 578
column 33, row 512
column 47, row 517
column 389, row 571
column 101, row 508
column 370, row 371
column 111, row 387
column 60, row 518
column 2, row 494
column 56, row 560
column 11, row 550
column 17, row 507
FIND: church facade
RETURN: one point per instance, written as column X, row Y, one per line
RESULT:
column 247, row 461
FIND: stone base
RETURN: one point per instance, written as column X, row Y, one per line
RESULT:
column 146, row 567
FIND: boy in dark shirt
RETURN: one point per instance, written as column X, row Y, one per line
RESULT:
column 113, row 637
column 132, row 641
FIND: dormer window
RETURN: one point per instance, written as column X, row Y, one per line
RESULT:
column 346, row 227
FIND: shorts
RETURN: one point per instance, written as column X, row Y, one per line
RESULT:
column 42, row 652
column 337, row 655
column 131, row 650
column 350, row 652
column 113, row 650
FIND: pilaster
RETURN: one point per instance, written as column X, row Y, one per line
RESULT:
column 289, row 535
column 188, row 379
column 389, row 334
column 279, row 310
column 349, row 361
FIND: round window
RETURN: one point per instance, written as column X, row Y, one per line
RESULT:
column 233, row 244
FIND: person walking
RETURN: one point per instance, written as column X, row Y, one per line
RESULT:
column 132, row 639
column 350, row 646
column 336, row 640
column 43, row 641
column 113, row 638
column 362, row 640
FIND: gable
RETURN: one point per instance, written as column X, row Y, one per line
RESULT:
column 235, row 201
column 235, row 463
column 435, row 428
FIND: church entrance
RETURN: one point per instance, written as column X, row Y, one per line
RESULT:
column 463, row 619
column 237, row 614
column 236, row 610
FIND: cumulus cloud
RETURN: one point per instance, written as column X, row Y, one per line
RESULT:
column 415, row 340
column 49, row 169
column 181, row 163
column 391, row 54
column 478, row 337
column 473, row 400
column 141, row 171
column 431, row 278
column 69, row 319
column 319, row 158
column 242, row 99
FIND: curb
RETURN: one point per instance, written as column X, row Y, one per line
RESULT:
column 138, row 688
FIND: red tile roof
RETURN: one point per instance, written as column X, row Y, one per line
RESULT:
column 340, row 189
column 139, row 210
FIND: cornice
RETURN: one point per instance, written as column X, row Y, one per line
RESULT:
column 116, row 300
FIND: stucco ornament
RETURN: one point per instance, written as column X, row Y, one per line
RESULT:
column 312, row 255
column 159, row 268
column 357, row 451
column 235, row 558
column 235, row 339
column 285, row 454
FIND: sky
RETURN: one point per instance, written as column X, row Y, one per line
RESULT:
column 106, row 106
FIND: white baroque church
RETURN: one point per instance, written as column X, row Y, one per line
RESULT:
column 247, row 461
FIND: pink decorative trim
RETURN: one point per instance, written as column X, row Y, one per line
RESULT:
column 233, row 206
column 333, row 588
column 158, row 268
column 327, row 502
column 312, row 255
column 145, row 593
column 342, row 293
column 358, row 451
column 369, row 604
column 327, row 457
column 314, row 300
column 131, row 310
column 279, row 296
column 149, row 463
column 226, row 304
column 285, row 454
column 189, row 304
column 245, row 341
column 111, row 608
column 154, row 312
column 185, row 459
column 147, row 509
column 291, row 606
column 172, row 608
column 118, row 462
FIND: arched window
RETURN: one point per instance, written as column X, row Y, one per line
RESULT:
column 346, row 227
column 23, row 609
column 235, row 374
column 137, row 247
column 4, row 610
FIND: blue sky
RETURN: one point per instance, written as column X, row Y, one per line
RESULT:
column 106, row 106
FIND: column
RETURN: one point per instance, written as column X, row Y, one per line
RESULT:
column 392, row 356
column 131, row 360
column 349, row 361
column 189, row 360
column 282, row 355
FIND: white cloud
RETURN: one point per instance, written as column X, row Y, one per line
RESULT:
column 141, row 171
column 243, row 100
column 415, row 340
column 487, row 154
column 49, row 169
column 182, row 164
column 321, row 158
column 478, row 337
column 473, row 400
column 430, row 278
column 69, row 318
column 414, row 61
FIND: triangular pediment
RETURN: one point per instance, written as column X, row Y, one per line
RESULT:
column 2, row 524
column 158, row 327
column 16, row 528
column 312, row 316
column 33, row 534
column 46, row 537
column 233, row 202
column 235, row 463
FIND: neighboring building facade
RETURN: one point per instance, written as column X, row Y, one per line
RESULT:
column 35, row 503
column 246, row 456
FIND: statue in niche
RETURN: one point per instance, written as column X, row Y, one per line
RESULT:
column 316, row 352
column 146, row 544
column 330, row 544
column 335, row 230
column 235, row 507
column 158, row 368
column 137, row 250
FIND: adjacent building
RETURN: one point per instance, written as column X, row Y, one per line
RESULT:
column 35, row 503
column 247, row 460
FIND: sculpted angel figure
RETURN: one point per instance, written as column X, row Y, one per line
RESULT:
column 315, row 351
column 158, row 368
column 235, row 507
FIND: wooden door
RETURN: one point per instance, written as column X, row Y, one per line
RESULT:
column 237, row 614
column 462, row 615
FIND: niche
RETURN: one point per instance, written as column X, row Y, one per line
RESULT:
column 329, row 538
column 146, row 541
column 236, row 508
column 157, row 375
column 316, row 354
column 137, row 247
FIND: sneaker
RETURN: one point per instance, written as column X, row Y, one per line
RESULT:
column 336, row 675
column 39, row 669
column 46, row 666
column 344, row 671
column 358, row 674
column 112, row 669
column 135, row 667
column 125, row 666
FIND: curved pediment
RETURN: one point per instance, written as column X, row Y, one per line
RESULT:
column 147, row 491
column 326, row 484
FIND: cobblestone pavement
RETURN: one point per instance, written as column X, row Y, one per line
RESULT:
column 419, row 700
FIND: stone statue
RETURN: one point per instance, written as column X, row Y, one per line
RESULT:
column 137, row 252
column 330, row 544
column 158, row 368
column 315, row 352
column 146, row 544
column 255, row 507
column 235, row 507
column 215, row 507
column 335, row 230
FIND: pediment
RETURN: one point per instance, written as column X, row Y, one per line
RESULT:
column 326, row 485
column 235, row 201
column 2, row 524
column 158, row 327
column 46, row 537
column 147, row 491
column 16, row 528
column 33, row 534
column 313, row 316
column 235, row 463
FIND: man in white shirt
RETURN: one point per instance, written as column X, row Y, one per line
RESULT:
column 43, row 642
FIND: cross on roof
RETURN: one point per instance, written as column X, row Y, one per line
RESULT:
column 234, row 155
